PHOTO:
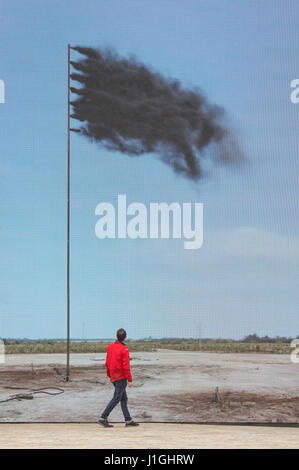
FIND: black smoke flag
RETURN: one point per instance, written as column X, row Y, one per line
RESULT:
column 127, row 107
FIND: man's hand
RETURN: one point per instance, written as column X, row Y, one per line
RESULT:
column 130, row 384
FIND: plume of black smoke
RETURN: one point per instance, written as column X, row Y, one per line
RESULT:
column 127, row 107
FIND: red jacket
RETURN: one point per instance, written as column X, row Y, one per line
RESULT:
column 118, row 362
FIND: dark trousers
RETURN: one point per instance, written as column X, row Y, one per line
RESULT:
column 120, row 395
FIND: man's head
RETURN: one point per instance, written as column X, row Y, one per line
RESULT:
column 121, row 334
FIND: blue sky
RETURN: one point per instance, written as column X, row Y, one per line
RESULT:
column 243, row 55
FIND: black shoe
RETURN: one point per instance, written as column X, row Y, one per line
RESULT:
column 104, row 422
column 132, row 423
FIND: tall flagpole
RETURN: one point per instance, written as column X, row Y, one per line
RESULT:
column 68, row 218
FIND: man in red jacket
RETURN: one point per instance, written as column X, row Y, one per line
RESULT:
column 118, row 370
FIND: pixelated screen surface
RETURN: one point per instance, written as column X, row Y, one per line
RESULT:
column 182, row 138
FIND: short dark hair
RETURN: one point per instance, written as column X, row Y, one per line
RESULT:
column 121, row 334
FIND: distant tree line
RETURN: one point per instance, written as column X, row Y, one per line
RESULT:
column 266, row 339
column 252, row 338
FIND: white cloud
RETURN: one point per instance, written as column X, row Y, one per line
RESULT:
column 251, row 242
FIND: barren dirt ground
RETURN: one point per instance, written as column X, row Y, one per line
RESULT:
column 174, row 386
column 146, row 436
